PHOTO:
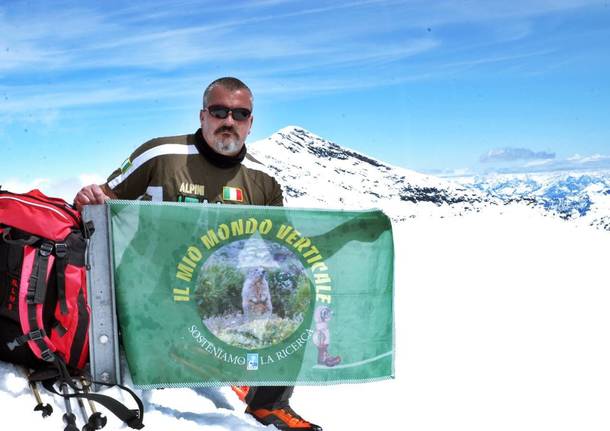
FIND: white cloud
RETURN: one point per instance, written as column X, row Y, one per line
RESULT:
column 449, row 11
column 308, row 47
column 577, row 158
column 65, row 188
column 449, row 173
column 510, row 154
column 94, row 40
column 538, row 163
column 575, row 162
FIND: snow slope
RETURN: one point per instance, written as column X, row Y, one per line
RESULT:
column 501, row 324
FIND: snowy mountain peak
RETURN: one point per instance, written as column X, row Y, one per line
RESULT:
column 297, row 139
column 315, row 172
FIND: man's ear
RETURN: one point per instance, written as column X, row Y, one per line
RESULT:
column 251, row 121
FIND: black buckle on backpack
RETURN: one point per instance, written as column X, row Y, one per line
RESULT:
column 61, row 249
column 19, row 341
column 35, row 335
column 46, row 248
column 47, row 355
column 88, row 229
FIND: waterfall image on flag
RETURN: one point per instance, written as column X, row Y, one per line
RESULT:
column 253, row 293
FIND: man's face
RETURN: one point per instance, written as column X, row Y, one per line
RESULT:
column 226, row 135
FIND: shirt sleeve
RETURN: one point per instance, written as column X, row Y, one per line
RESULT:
column 277, row 197
column 131, row 179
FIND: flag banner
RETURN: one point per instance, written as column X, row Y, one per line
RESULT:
column 211, row 295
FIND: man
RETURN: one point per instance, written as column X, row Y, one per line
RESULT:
column 207, row 166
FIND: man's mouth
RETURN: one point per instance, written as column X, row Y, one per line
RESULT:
column 226, row 131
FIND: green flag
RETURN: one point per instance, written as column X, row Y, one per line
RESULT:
column 246, row 295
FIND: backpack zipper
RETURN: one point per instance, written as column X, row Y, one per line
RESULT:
column 63, row 208
column 37, row 205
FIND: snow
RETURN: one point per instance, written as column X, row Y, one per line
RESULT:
column 502, row 316
column 501, row 324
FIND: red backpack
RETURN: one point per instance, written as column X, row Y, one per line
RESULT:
column 44, row 315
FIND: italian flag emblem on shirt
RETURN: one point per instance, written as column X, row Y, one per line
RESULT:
column 232, row 194
column 126, row 165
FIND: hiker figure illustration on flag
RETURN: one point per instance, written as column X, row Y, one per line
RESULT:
column 321, row 337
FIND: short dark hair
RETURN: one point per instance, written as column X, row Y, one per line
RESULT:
column 228, row 82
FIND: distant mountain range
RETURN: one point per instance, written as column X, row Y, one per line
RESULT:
column 570, row 195
column 315, row 172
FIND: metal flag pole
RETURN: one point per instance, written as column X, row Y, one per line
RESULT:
column 103, row 331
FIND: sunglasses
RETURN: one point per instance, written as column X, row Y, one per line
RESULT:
column 222, row 112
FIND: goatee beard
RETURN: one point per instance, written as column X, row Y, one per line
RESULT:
column 227, row 147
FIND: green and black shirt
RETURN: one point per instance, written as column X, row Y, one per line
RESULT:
column 185, row 169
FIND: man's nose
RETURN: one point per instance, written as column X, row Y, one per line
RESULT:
column 229, row 121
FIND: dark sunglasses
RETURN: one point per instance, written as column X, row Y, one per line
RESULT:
column 222, row 112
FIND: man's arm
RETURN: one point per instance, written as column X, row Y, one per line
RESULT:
column 93, row 194
column 131, row 184
column 277, row 197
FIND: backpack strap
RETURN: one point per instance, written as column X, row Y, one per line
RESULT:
column 33, row 296
column 34, row 335
column 132, row 417
column 31, row 302
column 71, row 251
column 29, row 240
column 61, row 261
column 37, row 288
column 11, row 256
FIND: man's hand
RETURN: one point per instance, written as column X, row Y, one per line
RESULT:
column 90, row 195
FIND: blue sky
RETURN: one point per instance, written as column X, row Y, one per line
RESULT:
column 443, row 86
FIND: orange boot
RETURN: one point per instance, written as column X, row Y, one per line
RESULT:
column 283, row 418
